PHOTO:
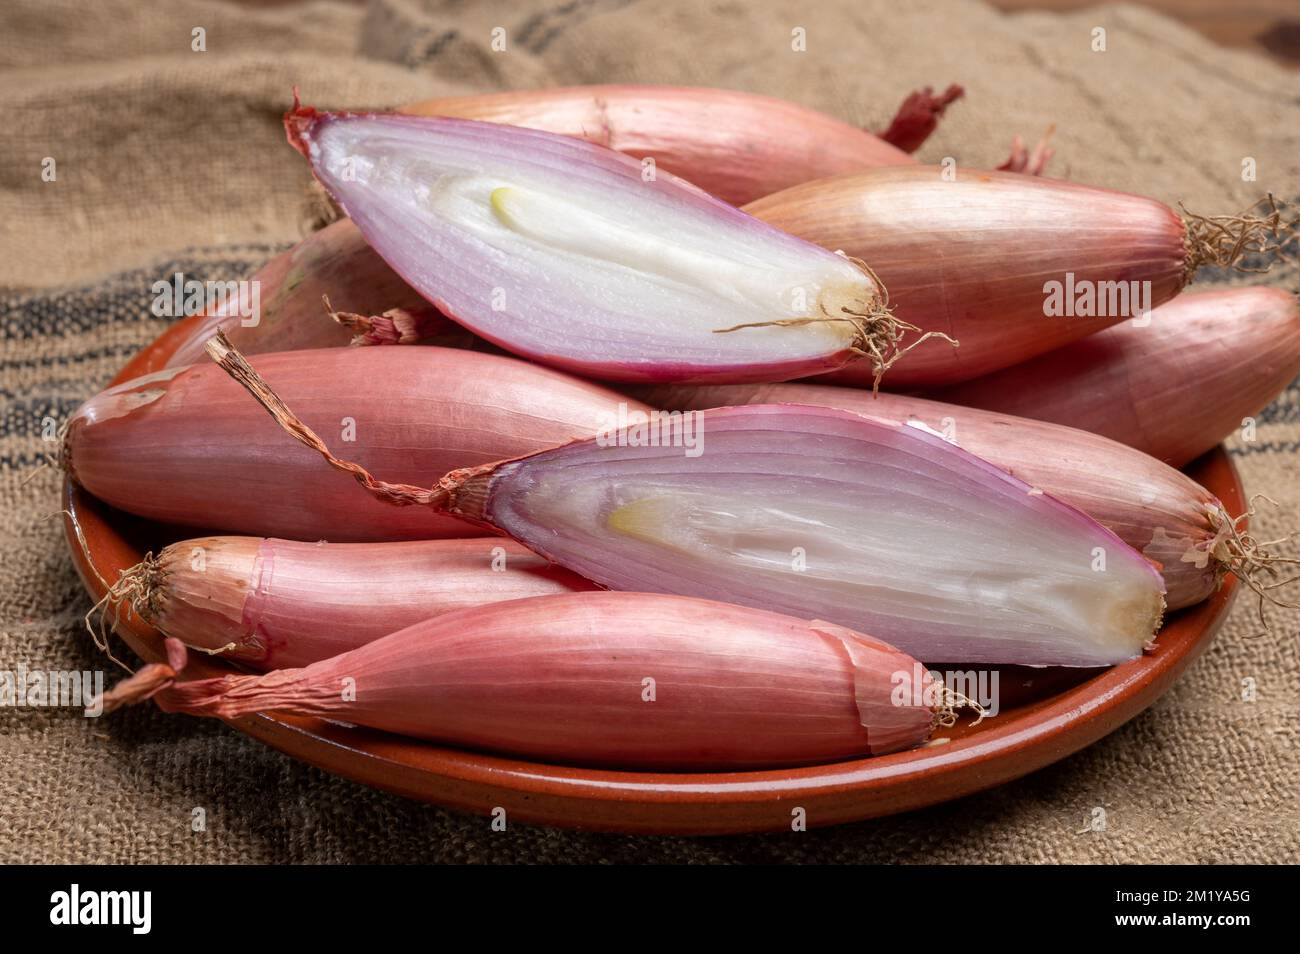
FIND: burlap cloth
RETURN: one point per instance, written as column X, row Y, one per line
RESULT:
column 172, row 159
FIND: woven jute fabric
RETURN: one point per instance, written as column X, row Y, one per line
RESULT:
column 171, row 158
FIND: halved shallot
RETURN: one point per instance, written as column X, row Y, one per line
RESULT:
column 811, row 512
column 274, row 604
column 579, row 257
column 187, row 447
column 632, row 680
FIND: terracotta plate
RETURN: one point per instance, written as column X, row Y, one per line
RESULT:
column 1046, row 715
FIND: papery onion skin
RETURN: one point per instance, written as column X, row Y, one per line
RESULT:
column 1160, row 512
column 1173, row 388
column 918, row 116
column 624, row 680
column 970, row 257
column 600, row 318
column 796, row 456
column 187, row 446
column 276, row 604
column 336, row 261
column 737, row 146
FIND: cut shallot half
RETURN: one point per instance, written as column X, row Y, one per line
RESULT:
column 585, row 259
column 813, row 512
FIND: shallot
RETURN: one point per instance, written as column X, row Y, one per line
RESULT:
column 629, row 680
column 1008, row 265
column 275, row 604
column 1201, row 368
column 336, row 262
column 737, row 146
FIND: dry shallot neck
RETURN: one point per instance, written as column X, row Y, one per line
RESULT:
column 461, row 492
column 918, row 116
column 396, row 326
column 1030, row 162
column 148, row 681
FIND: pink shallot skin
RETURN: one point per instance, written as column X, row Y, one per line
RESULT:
column 188, row 446
column 1155, row 509
column 970, row 258
column 627, row 680
column 277, row 604
column 736, row 146
column 1173, row 388
column 336, row 261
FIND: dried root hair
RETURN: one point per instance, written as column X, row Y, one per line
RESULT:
column 1223, row 240
column 136, row 590
column 946, row 706
column 61, row 459
column 1252, row 561
column 99, row 636
column 878, row 333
